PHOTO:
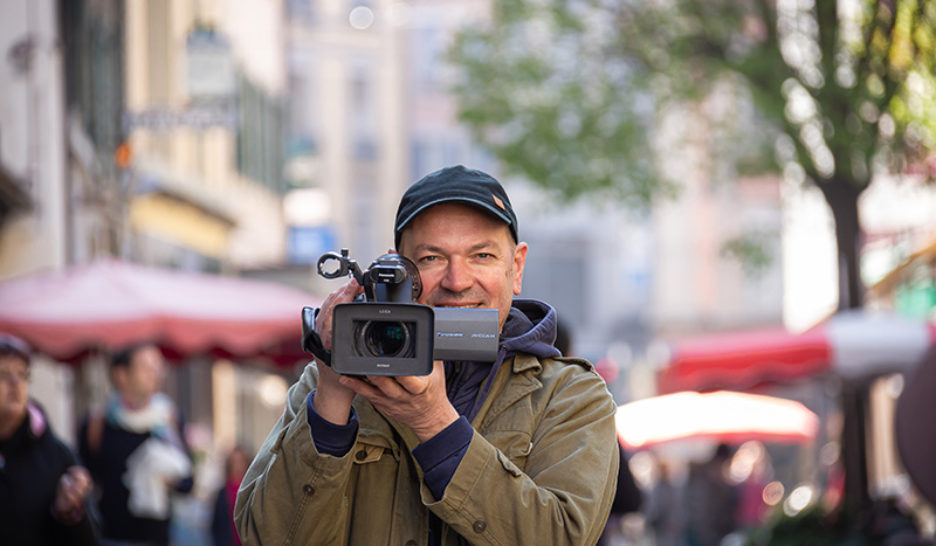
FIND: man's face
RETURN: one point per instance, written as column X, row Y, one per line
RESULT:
column 143, row 377
column 466, row 258
column 14, row 391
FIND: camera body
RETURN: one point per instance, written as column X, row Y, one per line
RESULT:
column 386, row 333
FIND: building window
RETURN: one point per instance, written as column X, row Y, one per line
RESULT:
column 260, row 136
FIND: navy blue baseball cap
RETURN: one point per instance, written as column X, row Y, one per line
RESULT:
column 460, row 185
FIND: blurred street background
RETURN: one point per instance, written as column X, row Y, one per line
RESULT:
column 718, row 195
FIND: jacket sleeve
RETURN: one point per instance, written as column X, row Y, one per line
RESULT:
column 290, row 479
column 564, row 493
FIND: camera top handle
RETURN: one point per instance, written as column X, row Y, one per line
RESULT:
column 345, row 265
column 392, row 277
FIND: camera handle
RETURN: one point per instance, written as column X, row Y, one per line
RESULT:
column 345, row 265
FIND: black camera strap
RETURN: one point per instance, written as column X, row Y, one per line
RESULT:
column 311, row 342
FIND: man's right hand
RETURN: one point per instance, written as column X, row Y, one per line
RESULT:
column 332, row 400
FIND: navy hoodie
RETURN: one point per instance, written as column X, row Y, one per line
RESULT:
column 530, row 328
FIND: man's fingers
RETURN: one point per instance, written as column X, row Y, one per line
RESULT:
column 381, row 387
column 82, row 481
column 323, row 322
column 360, row 387
column 413, row 384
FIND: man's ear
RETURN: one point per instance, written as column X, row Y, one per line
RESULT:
column 519, row 261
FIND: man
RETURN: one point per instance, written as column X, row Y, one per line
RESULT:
column 42, row 488
column 136, row 450
column 519, row 451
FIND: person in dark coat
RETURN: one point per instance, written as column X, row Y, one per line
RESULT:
column 711, row 500
column 43, row 489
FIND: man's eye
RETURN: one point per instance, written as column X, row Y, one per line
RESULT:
column 484, row 256
column 428, row 259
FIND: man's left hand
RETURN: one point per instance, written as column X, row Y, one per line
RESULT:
column 419, row 402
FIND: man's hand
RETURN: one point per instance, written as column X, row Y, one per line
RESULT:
column 332, row 400
column 419, row 402
column 73, row 488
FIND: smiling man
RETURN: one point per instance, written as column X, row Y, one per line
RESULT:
column 518, row 451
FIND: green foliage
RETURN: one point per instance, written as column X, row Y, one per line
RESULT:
column 569, row 92
column 752, row 251
column 543, row 89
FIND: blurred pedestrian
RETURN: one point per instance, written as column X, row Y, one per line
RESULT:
column 223, row 531
column 136, row 451
column 664, row 511
column 711, row 500
column 43, row 489
column 755, row 473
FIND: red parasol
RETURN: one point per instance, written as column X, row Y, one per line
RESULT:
column 109, row 304
column 721, row 416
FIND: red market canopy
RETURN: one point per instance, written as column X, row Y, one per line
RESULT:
column 850, row 344
column 110, row 304
column 720, row 416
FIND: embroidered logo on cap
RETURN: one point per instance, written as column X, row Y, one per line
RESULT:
column 498, row 202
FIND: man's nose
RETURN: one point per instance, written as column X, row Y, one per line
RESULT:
column 457, row 276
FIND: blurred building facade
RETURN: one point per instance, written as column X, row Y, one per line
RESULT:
column 205, row 85
column 32, row 148
column 150, row 131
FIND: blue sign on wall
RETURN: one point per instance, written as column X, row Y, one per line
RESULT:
column 307, row 243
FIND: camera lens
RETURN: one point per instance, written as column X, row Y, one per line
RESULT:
column 385, row 338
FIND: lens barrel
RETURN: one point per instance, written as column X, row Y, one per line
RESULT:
column 379, row 338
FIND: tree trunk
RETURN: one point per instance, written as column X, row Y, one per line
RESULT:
column 856, row 499
column 842, row 197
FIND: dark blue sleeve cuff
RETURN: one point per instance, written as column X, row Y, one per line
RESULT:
column 440, row 455
column 329, row 438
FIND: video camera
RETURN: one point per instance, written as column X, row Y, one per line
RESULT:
column 384, row 332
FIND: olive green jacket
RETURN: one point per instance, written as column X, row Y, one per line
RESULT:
column 540, row 469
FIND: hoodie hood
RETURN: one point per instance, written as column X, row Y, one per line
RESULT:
column 530, row 328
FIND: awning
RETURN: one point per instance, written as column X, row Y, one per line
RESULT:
column 722, row 416
column 109, row 304
column 850, row 344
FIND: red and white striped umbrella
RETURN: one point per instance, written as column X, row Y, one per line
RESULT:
column 850, row 344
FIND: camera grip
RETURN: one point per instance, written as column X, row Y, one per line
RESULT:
column 311, row 342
